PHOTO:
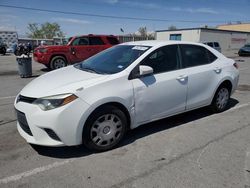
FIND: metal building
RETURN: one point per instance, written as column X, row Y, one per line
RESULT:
column 228, row 39
column 245, row 27
column 9, row 37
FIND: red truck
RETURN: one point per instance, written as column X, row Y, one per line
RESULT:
column 78, row 49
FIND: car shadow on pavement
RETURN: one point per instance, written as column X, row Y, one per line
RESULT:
column 64, row 152
column 170, row 122
column 45, row 70
column 132, row 135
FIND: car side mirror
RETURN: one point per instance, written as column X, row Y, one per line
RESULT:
column 145, row 70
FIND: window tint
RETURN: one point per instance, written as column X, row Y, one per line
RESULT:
column 210, row 44
column 216, row 44
column 211, row 56
column 112, row 40
column 96, row 41
column 195, row 55
column 80, row 41
column 164, row 59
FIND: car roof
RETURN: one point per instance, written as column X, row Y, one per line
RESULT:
column 93, row 35
column 159, row 43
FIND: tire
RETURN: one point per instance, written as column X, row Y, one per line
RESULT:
column 58, row 62
column 104, row 129
column 221, row 99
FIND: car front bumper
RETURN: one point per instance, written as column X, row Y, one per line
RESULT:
column 57, row 127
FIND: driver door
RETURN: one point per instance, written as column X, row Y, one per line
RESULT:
column 163, row 93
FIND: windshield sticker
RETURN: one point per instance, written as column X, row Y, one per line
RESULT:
column 143, row 48
column 120, row 66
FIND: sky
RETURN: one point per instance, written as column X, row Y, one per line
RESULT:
column 160, row 14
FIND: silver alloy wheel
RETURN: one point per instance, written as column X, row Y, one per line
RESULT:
column 106, row 130
column 59, row 63
column 222, row 98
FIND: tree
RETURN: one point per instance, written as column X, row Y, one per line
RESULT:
column 46, row 30
column 172, row 27
column 143, row 31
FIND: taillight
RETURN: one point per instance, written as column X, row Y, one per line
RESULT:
column 236, row 65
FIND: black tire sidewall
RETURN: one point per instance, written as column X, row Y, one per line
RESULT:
column 93, row 117
column 214, row 106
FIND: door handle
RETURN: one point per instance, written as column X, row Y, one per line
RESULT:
column 217, row 70
column 182, row 78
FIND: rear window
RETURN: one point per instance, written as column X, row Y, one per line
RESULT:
column 113, row 40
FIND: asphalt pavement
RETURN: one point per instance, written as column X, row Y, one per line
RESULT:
column 195, row 149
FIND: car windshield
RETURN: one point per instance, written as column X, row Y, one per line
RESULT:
column 247, row 45
column 113, row 60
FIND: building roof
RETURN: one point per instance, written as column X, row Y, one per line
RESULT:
column 244, row 27
column 8, row 31
column 205, row 29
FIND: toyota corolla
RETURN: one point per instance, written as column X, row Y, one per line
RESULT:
column 96, row 101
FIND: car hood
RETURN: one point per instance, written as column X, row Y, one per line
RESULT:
column 64, row 80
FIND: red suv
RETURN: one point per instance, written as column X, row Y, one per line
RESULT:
column 78, row 49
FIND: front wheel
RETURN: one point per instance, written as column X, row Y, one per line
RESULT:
column 104, row 129
column 58, row 62
column 221, row 99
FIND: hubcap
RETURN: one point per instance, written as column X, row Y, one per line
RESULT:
column 106, row 130
column 222, row 98
column 59, row 63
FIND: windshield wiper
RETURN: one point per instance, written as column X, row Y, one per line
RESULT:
column 88, row 69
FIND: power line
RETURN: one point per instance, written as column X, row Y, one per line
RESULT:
column 110, row 16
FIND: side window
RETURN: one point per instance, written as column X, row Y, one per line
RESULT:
column 163, row 59
column 216, row 44
column 81, row 41
column 195, row 55
column 96, row 41
column 113, row 40
column 210, row 44
column 211, row 56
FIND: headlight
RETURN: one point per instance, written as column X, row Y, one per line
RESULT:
column 52, row 102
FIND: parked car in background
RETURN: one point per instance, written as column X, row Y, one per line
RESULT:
column 78, row 49
column 94, row 102
column 214, row 45
column 245, row 50
column 3, row 47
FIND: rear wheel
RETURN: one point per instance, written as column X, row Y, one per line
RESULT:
column 58, row 62
column 221, row 99
column 104, row 129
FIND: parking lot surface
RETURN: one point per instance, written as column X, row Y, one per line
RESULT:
column 195, row 149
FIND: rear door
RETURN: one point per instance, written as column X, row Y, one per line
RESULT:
column 203, row 71
column 97, row 45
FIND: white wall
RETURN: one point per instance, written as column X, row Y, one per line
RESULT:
column 186, row 35
column 227, row 40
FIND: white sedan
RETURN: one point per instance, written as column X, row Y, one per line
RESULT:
column 96, row 101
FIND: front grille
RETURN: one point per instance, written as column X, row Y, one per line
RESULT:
column 21, row 118
column 52, row 134
column 22, row 98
